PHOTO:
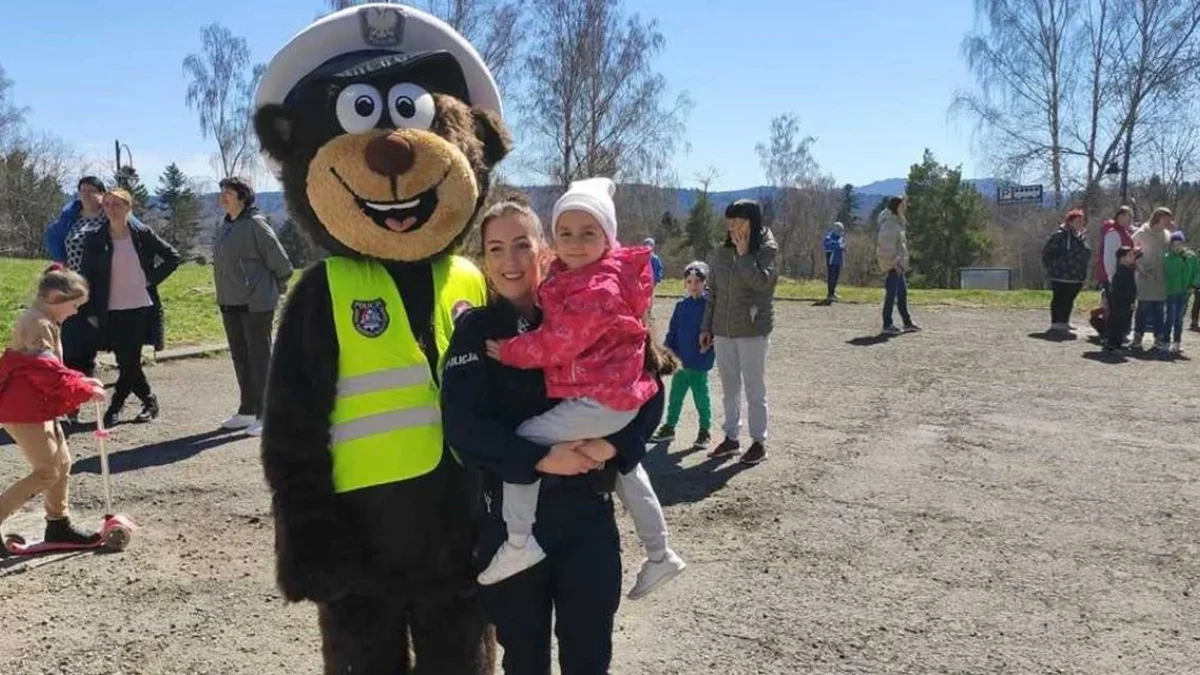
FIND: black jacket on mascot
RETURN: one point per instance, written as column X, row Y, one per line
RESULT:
column 385, row 125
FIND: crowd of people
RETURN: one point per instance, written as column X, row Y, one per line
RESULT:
column 1146, row 276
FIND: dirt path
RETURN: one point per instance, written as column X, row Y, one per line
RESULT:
column 965, row 500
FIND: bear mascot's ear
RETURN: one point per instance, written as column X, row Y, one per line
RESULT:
column 273, row 124
column 494, row 135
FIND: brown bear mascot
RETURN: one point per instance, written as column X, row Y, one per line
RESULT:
column 385, row 126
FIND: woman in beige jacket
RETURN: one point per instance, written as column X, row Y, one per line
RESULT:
column 891, row 252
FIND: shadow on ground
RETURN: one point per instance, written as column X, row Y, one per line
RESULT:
column 871, row 340
column 1054, row 336
column 677, row 485
column 155, row 454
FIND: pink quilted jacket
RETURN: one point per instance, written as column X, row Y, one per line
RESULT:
column 592, row 340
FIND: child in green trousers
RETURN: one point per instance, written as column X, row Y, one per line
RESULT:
column 683, row 338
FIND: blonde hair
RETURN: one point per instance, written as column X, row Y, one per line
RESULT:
column 59, row 285
column 1161, row 213
column 123, row 195
column 511, row 207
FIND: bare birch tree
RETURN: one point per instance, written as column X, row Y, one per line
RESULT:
column 595, row 106
column 1022, row 61
column 221, row 90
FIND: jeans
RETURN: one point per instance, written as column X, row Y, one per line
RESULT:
column 1063, row 301
column 832, row 274
column 1196, row 309
column 1119, row 317
column 1151, row 316
column 895, row 293
column 1176, row 309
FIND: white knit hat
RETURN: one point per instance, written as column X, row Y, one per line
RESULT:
column 594, row 196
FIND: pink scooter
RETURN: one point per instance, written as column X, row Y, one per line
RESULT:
column 115, row 533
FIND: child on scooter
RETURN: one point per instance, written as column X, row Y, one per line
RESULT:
column 35, row 390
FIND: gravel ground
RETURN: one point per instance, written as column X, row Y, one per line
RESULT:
column 970, row 499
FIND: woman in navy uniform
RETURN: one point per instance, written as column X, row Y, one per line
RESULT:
column 483, row 402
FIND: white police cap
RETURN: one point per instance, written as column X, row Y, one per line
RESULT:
column 375, row 27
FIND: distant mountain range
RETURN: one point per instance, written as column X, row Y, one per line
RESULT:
column 542, row 198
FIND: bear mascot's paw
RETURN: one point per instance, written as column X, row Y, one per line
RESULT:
column 383, row 125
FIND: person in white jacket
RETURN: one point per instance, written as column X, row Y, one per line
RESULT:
column 891, row 252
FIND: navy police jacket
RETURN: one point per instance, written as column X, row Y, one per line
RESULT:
column 484, row 401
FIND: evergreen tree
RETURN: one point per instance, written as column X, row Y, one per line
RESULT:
column 946, row 219
column 127, row 178
column 297, row 245
column 180, row 210
column 848, row 212
column 701, row 227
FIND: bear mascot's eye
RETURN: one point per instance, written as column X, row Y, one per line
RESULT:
column 411, row 107
column 359, row 108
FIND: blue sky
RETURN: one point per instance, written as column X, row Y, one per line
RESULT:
column 871, row 79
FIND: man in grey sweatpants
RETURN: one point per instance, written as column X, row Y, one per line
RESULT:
column 738, row 320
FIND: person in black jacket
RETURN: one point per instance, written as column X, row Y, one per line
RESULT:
column 124, row 263
column 1122, row 295
column 483, row 403
column 1066, row 256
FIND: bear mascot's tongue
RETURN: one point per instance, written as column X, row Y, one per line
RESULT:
column 384, row 126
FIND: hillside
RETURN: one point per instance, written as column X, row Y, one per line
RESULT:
column 542, row 198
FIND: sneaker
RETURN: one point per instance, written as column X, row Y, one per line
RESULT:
column 238, row 422
column 1176, row 348
column 255, row 429
column 62, row 532
column 728, row 448
column 891, row 330
column 149, row 411
column 665, row 434
column 757, row 454
column 112, row 415
column 655, row 574
column 511, row 560
column 1136, row 343
column 702, row 439
column 912, row 328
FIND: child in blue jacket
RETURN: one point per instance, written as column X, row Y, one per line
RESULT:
column 683, row 338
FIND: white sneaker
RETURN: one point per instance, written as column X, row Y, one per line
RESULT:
column 1176, row 348
column 511, row 560
column 655, row 574
column 1137, row 340
column 255, row 429
column 238, row 422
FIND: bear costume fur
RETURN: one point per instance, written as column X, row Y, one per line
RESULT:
column 383, row 155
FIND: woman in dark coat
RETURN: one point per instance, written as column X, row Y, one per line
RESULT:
column 1066, row 256
column 483, row 402
column 124, row 263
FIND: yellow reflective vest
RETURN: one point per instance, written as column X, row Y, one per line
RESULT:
column 386, row 424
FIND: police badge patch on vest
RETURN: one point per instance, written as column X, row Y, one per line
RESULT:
column 370, row 317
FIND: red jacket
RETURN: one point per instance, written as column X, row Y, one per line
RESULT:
column 38, row 388
column 592, row 340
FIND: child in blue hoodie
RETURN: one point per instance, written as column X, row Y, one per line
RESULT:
column 683, row 338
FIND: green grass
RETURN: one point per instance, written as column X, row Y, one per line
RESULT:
column 813, row 291
column 188, row 298
column 192, row 316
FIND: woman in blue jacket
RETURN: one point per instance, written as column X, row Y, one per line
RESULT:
column 483, row 403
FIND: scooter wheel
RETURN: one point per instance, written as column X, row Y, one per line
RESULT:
column 118, row 538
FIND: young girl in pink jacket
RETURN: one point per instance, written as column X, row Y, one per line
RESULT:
column 591, row 345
